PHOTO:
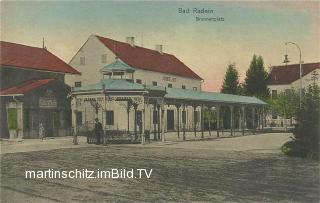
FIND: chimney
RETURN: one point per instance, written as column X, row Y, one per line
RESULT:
column 159, row 48
column 130, row 40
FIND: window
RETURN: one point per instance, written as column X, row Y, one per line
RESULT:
column 154, row 83
column 169, row 85
column 77, row 84
column 12, row 118
column 184, row 116
column 139, row 81
column 288, row 92
column 104, row 58
column 274, row 93
column 155, row 117
column 82, row 61
column 109, row 117
column 183, row 87
column 79, row 118
column 195, row 88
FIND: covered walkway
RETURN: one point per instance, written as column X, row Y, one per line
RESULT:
column 245, row 114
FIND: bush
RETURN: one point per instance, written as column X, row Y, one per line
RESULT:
column 307, row 130
column 292, row 148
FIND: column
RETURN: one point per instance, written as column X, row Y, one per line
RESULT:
column 135, row 121
column 231, row 119
column 209, row 121
column 201, row 120
column 253, row 120
column 162, row 123
column 194, row 120
column 154, row 118
column 143, row 124
column 159, row 113
column 243, row 119
column 218, row 119
column 184, row 122
column 178, row 117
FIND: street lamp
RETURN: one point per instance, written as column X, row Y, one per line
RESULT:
column 286, row 60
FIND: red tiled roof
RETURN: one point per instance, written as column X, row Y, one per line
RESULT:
column 286, row 74
column 25, row 87
column 22, row 56
column 147, row 59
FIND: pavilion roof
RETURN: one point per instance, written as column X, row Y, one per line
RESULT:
column 171, row 93
column 117, row 65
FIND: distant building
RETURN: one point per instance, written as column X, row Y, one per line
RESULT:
column 286, row 78
column 32, row 91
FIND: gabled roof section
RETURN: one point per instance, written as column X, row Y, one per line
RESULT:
column 25, row 87
column 117, row 65
column 21, row 56
column 286, row 74
column 147, row 59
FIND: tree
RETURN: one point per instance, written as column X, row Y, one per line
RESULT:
column 231, row 81
column 256, row 80
column 286, row 105
column 307, row 130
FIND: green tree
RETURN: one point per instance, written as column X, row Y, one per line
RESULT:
column 256, row 80
column 286, row 105
column 231, row 81
column 307, row 130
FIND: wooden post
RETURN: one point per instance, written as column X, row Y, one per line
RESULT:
column 243, row 118
column 135, row 121
column 201, row 120
column 231, row 119
column 159, row 112
column 209, row 121
column 128, row 116
column 154, row 123
column 218, row 119
column 178, row 116
column 184, row 122
column 194, row 120
column 162, row 122
column 253, row 120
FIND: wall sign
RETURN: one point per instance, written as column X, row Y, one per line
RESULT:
column 48, row 100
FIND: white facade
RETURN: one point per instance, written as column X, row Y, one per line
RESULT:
column 307, row 80
column 94, row 55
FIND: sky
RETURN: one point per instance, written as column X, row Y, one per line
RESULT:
column 207, row 47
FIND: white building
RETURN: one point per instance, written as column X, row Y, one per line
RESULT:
column 134, row 89
column 99, row 51
column 287, row 78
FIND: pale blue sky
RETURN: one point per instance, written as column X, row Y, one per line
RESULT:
column 206, row 47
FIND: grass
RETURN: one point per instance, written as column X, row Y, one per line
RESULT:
column 179, row 175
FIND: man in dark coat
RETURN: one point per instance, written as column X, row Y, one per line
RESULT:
column 97, row 130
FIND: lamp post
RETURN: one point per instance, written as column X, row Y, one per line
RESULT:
column 300, row 69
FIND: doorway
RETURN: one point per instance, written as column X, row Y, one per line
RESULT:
column 170, row 120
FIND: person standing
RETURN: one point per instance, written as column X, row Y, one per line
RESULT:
column 98, row 130
column 41, row 131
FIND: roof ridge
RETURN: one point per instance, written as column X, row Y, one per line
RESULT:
column 136, row 46
column 295, row 64
column 23, row 45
